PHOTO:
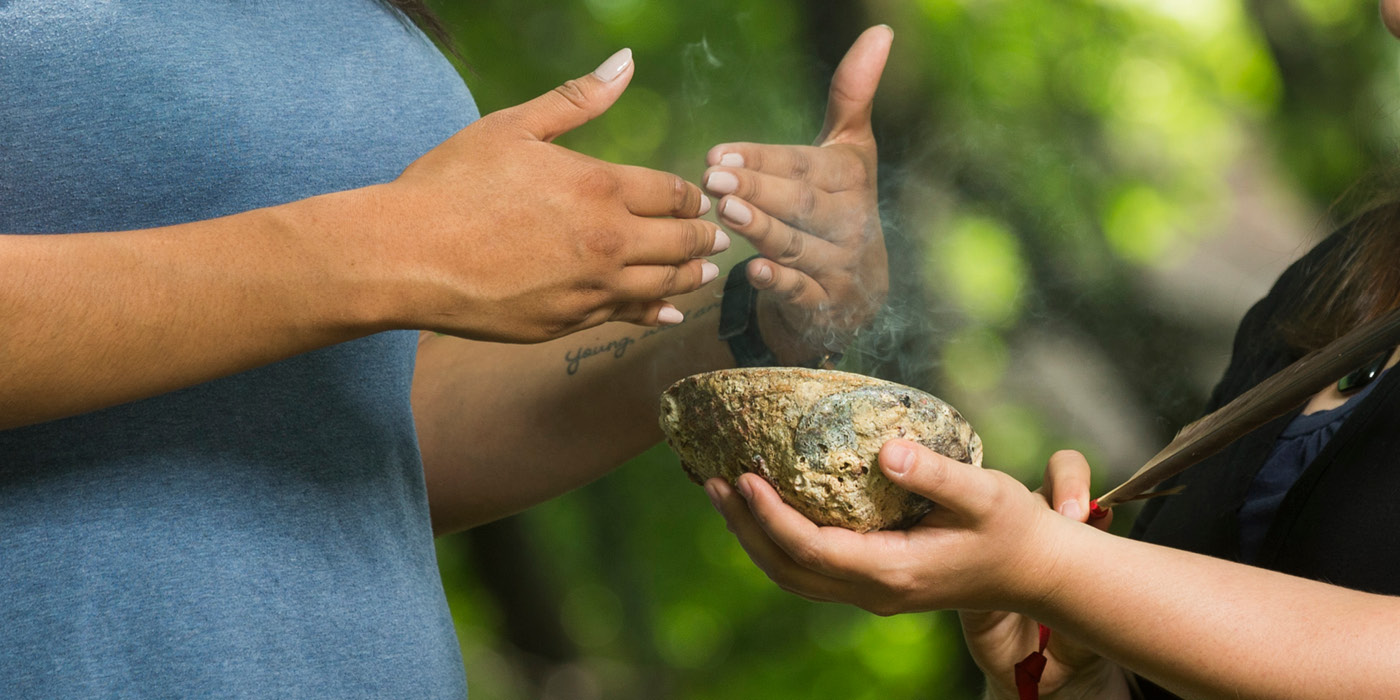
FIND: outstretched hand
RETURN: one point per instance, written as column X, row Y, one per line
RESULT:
column 509, row 237
column 988, row 545
column 813, row 214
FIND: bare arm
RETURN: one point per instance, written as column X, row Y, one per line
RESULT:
column 1198, row 626
column 494, row 234
column 92, row 320
column 1205, row 627
column 503, row 428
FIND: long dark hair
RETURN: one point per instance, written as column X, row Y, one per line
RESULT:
column 421, row 15
column 1358, row 279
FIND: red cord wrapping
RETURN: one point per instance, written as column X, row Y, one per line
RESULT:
column 1096, row 511
column 1029, row 670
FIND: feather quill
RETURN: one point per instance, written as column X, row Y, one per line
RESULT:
column 1271, row 398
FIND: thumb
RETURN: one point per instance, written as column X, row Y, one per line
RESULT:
column 960, row 487
column 1067, row 476
column 576, row 102
column 853, row 85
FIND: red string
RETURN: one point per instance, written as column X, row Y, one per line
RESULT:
column 1096, row 512
column 1028, row 672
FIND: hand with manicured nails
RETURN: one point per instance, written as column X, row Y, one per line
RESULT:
column 813, row 213
column 989, row 544
column 517, row 239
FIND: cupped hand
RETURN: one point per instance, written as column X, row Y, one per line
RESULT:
column 813, row 214
column 509, row 237
column 989, row 544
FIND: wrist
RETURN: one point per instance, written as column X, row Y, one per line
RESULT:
column 789, row 344
column 1048, row 564
column 760, row 334
column 343, row 263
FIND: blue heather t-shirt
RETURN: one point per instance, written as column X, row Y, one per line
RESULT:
column 263, row 535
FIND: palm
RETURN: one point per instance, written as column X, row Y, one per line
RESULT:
column 999, row 640
column 830, row 270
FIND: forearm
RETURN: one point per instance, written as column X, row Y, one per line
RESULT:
column 95, row 319
column 1203, row 627
column 504, row 427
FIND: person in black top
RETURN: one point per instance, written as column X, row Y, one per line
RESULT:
column 1271, row 576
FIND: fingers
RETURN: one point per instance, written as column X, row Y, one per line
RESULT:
column 653, row 313
column 834, row 552
column 639, row 295
column 647, row 283
column 649, row 192
column 853, row 87
column 828, row 169
column 787, row 284
column 775, row 238
column 763, row 550
column 674, row 241
column 574, row 103
column 962, row 488
column 795, row 202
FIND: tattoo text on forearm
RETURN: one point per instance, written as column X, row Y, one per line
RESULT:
column 618, row 348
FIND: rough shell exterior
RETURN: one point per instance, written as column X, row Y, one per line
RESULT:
column 814, row 435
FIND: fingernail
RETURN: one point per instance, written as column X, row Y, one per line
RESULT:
column 745, row 489
column 722, row 183
column 708, row 272
column 670, row 315
column 614, row 66
column 736, row 212
column 1072, row 510
column 704, row 205
column 732, row 160
column 714, row 496
column 901, row 460
column 721, row 242
column 764, row 275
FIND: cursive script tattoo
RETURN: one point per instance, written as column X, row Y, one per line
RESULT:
column 618, row 348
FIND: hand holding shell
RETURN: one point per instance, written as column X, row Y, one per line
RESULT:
column 814, row 435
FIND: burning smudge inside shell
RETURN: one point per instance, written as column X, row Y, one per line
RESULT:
column 815, row 435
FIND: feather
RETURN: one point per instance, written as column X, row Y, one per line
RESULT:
column 1271, row 398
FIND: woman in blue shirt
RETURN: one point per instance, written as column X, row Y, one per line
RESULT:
column 231, row 234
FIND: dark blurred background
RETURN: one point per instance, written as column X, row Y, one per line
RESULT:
column 1081, row 198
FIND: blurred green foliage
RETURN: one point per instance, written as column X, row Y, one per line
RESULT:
column 1042, row 163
